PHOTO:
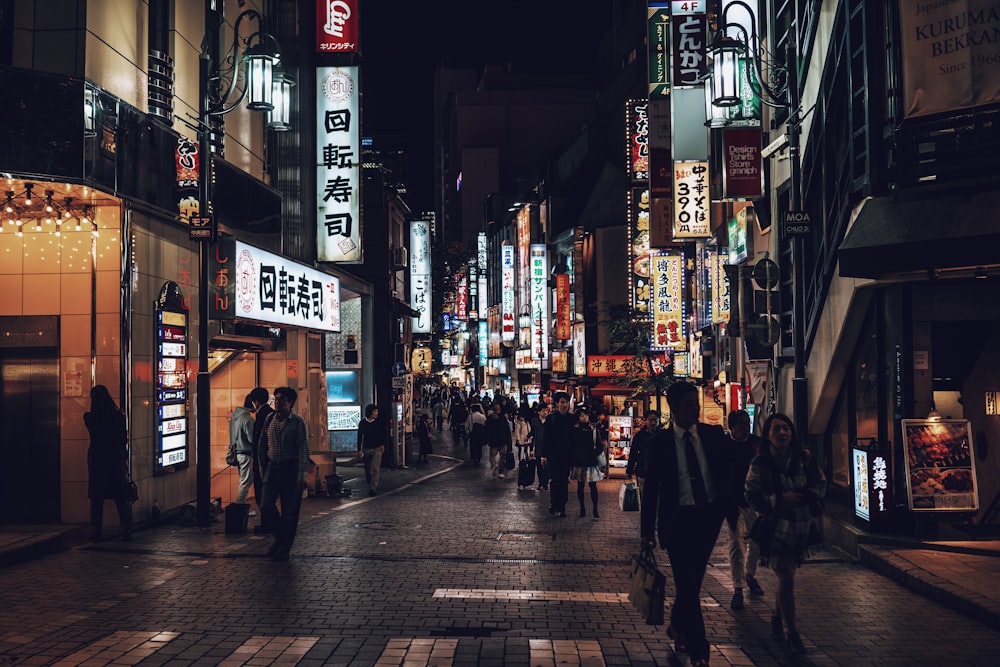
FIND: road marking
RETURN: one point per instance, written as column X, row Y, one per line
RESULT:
column 120, row 647
column 542, row 596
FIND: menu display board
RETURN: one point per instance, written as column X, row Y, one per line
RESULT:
column 940, row 466
column 171, row 390
column 619, row 437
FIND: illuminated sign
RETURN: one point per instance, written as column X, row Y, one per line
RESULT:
column 617, row 365
column 579, row 349
column 658, row 39
column 639, row 246
column 337, row 26
column 720, row 287
column 338, row 165
column 689, row 40
column 691, row 200
column 270, row 288
column 667, row 301
column 420, row 274
column 343, row 417
column 508, row 323
column 484, row 342
column 539, row 302
column 563, row 313
column 742, row 172
column 637, row 130
column 171, row 449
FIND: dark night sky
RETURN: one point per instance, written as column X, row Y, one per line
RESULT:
column 403, row 42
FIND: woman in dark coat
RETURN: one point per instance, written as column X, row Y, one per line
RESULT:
column 583, row 453
column 424, row 438
column 107, row 461
column 786, row 485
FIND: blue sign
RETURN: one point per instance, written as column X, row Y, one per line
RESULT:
column 398, row 369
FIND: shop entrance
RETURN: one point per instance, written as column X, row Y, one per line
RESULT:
column 29, row 435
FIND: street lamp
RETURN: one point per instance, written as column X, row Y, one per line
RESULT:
column 728, row 52
column 256, row 63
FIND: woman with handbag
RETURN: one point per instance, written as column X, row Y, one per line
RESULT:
column 583, row 459
column 107, row 462
column 785, row 485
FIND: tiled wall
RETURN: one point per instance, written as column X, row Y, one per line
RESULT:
column 45, row 274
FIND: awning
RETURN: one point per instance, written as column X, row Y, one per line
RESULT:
column 403, row 309
column 610, row 388
column 928, row 229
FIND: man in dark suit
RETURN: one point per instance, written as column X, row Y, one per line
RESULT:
column 688, row 492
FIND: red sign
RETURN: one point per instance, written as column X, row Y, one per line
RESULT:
column 742, row 176
column 563, row 324
column 187, row 168
column 337, row 26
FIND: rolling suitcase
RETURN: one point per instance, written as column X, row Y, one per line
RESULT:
column 543, row 477
column 526, row 473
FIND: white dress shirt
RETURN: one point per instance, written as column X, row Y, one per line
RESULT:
column 683, row 476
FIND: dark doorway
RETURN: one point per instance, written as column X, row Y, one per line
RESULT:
column 29, row 435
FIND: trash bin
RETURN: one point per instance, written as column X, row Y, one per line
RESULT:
column 237, row 516
column 334, row 485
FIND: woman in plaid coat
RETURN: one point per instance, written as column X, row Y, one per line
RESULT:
column 785, row 485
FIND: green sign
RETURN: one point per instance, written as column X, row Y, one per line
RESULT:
column 658, row 27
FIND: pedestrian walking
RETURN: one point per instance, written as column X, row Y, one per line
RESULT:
column 438, row 411
column 372, row 440
column 458, row 415
column 688, row 491
column 538, row 443
column 107, row 462
column 521, row 435
column 498, row 438
column 558, row 440
column 285, row 445
column 743, row 552
column 241, row 441
column 637, row 453
column 475, row 426
column 424, row 439
column 259, row 398
column 786, row 487
column 584, row 467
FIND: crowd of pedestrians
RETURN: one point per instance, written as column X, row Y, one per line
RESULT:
column 692, row 479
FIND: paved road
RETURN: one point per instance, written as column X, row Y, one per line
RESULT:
column 449, row 568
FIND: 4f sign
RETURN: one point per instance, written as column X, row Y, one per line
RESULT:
column 797, row 223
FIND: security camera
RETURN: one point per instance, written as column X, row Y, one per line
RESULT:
column 779, row 144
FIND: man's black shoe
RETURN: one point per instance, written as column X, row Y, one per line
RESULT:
column 755, row 590
column 737, row 601
column 680, row 646
column 371, row 492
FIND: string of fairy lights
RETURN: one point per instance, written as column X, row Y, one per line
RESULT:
column 40, row 209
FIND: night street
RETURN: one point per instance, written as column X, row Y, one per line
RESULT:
column 456, row 568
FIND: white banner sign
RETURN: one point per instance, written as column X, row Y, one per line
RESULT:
column 420, row 274
column 691, row 201
column 273, row 289
column 507, row 306
column 338, row 165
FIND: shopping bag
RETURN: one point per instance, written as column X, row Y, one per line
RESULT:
column 647, row 588
column 628, row 497
column 508, row 460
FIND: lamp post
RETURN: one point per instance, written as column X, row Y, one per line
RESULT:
column 727, row 53
column 256, row 63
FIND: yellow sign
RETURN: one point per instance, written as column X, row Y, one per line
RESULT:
column 420, row 361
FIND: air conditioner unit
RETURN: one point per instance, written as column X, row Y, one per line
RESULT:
column 399, row 258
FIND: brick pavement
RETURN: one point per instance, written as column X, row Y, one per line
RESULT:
column 444, row 567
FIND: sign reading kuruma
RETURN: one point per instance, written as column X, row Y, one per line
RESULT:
column 951, row 54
